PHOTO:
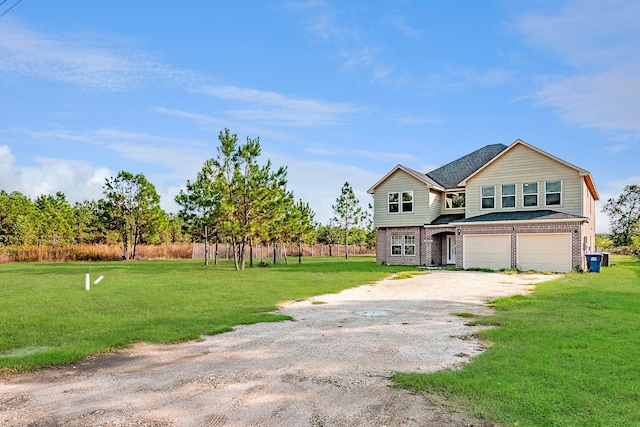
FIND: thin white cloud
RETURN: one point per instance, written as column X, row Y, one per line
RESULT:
column 86, row 60
column 173, row 157
column 459, row 79
column 339, row 29
column 195, row 117
column 399, row 23
column 54, row 134
column 382, row 72
column 608, row 100
column 274, row 108
column 585, row 32
column 599, row 41
column 111, row 134
column 216, row 124
column 618, row 148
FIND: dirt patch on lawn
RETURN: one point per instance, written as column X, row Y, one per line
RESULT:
column 329, row 367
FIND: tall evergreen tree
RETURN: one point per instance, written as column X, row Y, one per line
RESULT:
column 132, row 208
column 348, row 213
column 301, row 224
column 248, row 192
column 53, row 220
column 200, row 203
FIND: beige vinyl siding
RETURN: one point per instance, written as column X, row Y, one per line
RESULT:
column 520, row 165
column 401, row 181
column 434, row 205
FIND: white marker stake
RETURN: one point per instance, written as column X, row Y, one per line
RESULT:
column 87, row 281
column 95, row 282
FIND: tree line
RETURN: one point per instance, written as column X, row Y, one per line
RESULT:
column 624, row 215
column 233, row 199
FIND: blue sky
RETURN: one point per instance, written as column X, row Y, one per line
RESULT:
column 336, row 90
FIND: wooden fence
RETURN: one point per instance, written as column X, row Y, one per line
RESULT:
column 265, row 252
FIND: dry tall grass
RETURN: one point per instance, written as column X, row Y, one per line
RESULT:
column 90, row 253
column 35, row 253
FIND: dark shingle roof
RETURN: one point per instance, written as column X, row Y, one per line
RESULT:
column 446, row 219
column 451, row 174
column 522, row 216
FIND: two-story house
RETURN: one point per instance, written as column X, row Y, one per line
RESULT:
column 500, row 207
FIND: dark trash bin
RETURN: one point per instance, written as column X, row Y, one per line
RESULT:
column 605, row 259
column 593, row 262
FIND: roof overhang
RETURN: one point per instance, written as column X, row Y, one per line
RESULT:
column 522, row 221
column 417, row 175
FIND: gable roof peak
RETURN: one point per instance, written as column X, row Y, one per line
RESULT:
column 414, row 173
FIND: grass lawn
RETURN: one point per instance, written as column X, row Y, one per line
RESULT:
column 47, row 317
column 567, row 355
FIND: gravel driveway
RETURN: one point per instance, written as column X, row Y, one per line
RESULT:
column 329, row 367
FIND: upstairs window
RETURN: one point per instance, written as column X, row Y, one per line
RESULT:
column 407, row 201
column 488, row 197
column 454, row 200
column 509, row 196
column 394, row 202
column 530, row 194
column 400, row 202
column 553, row 193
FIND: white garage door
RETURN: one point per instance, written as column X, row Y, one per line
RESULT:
column 486, row 251
column 544, row 252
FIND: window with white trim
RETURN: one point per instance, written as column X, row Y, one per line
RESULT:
column 407, row 201
column 400, row 202
column 454, row 200
column 394, row 202
column 403, row 245
column 488, row 197
column 396, row 244
column 508, row 194
column 553, row 193
column 530, row 194
column 410, row 245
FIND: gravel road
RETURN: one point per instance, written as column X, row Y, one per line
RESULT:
column 328, row 367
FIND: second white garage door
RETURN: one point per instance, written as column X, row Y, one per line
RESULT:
column 486, row 251
column 544, row 252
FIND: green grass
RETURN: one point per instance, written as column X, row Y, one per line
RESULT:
column 464, row 314
column 567, row 355
column 47, row 317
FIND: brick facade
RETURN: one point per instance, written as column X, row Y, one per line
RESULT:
column 574, row 228
column 383, row 246
column 431, row 247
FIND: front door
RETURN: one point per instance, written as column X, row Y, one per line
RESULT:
column 451, row 249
